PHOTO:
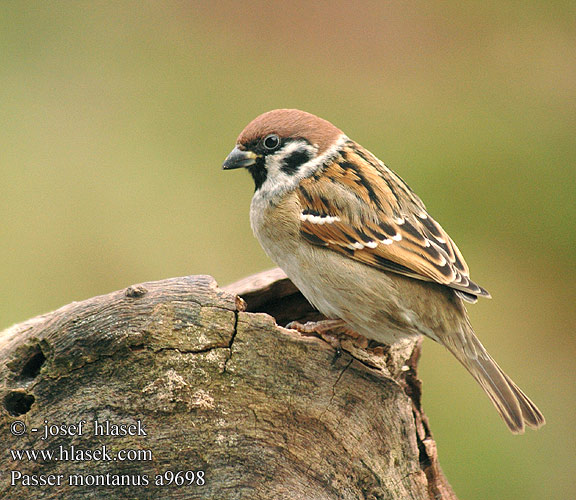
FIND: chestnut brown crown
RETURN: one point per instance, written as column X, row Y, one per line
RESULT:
column 291, row 123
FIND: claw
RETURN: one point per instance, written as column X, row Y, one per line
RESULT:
column 331, row 331
column 318, row 327
column 337, row 355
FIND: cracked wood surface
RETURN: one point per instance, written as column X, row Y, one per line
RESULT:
column 219, row 387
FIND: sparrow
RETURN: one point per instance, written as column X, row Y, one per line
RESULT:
column 361, row 247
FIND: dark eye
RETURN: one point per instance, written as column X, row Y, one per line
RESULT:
column 271, row 142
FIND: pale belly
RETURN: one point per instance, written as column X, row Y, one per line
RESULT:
column 368, row 300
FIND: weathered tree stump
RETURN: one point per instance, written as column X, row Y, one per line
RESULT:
column 194, row 395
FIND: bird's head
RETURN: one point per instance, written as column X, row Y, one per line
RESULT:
column 280, row 147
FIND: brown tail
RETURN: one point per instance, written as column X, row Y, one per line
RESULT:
column 512, row 404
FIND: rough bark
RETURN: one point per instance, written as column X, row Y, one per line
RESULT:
column 263, row 411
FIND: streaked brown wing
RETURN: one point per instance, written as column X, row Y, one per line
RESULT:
column 371, row 215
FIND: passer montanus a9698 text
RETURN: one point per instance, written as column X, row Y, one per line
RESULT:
column 360, row 246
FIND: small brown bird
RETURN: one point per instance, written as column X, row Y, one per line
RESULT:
column 361, row 247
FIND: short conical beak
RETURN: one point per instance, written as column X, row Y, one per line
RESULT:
column 239, row 159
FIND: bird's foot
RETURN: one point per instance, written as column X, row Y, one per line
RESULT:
column 332, row 331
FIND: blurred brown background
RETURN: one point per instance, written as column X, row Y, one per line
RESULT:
column 115, row 118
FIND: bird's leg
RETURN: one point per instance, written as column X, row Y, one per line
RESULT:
column 318, row 327
column 330, row 330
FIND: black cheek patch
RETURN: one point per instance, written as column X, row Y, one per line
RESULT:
column 292, row 162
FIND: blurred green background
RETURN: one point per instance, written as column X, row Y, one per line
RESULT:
column 115, row 118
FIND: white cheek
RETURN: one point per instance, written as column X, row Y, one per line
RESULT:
column 276, row 181
column 279, row 182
